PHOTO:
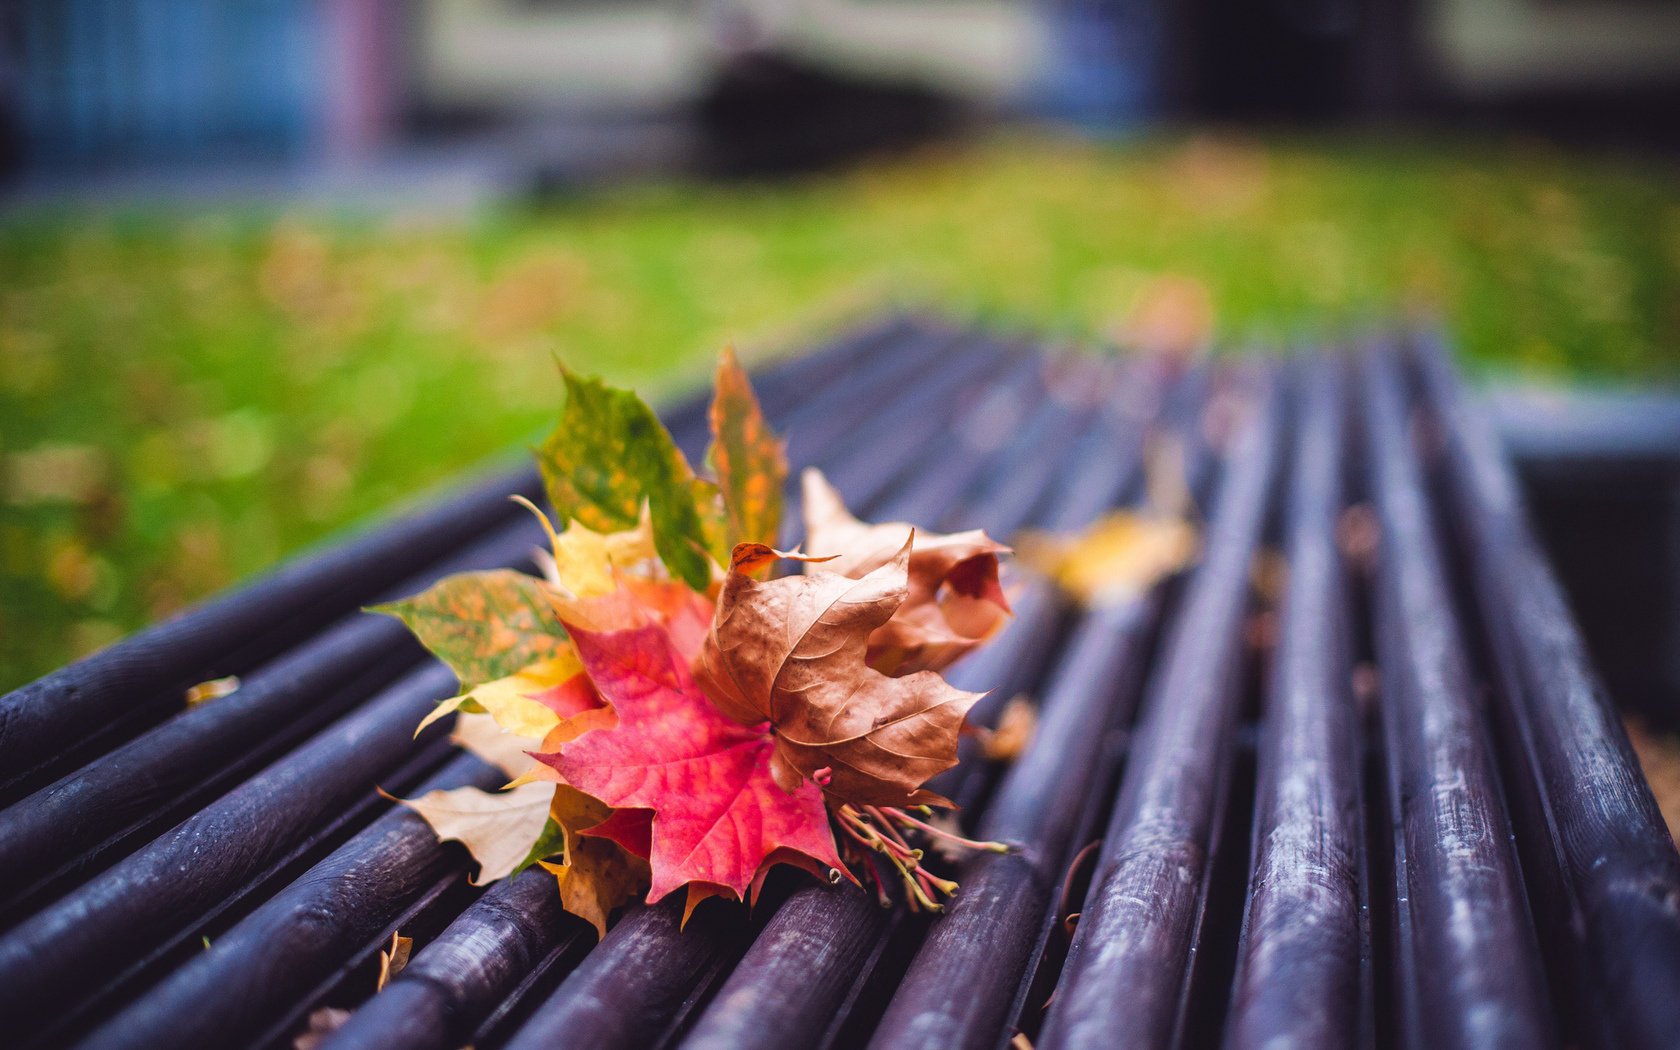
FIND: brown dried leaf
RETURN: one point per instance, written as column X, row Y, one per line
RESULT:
column 791, row 652
column 954, row 601
column 393, row 959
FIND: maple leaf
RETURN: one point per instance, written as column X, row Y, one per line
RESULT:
column 497, row 827
column 1116, row 559
column 717, row 813
column 791, row 652
column 954, row 600
column 609, row 455
column 751, row 463
column 499, row 633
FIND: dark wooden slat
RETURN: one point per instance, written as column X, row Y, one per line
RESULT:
column 606, row 1003
column 967, row 978
column 1609, row 872
column 1298, row 976
column 1469, row 969
column 155, row 779
column 47, row 724
column 58, row 955
column 1126, row 969
column 263, row 965
column 442, row 997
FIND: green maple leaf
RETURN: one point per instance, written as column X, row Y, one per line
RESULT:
column 610, row 454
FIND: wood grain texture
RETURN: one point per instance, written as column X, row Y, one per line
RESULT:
column 1126, row 968
column 1298, row 976
column 1469, row 965
column 255, row 972
column 160, row 776
column 68, row 950
column 1608, row 874
column 454, row 983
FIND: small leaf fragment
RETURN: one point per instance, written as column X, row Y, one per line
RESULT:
column 214, row 689
column 1014, row 731
column 322, row 1024
column 498, row 828
column 393, row 959
column 1116, row 559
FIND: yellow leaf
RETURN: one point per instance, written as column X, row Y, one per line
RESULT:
column 595, row 875
column 510, row 700
column 480, row 735
column 214, row 689
column 584, row 563
column 1117, row 559
column 498, row 828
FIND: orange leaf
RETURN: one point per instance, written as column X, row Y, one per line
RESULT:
column 751, row 463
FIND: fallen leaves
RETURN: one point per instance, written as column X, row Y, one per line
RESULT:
column 791, row 652
column 718, row 813
column 392, row 960
column 215, row 689
column 669, row 725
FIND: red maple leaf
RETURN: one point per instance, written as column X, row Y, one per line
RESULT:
column 718, row 814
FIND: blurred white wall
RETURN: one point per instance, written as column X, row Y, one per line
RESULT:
column 523, row 55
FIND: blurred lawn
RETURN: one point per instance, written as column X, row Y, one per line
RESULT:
column 185, row 398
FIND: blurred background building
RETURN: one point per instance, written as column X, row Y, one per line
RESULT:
column 496, row 95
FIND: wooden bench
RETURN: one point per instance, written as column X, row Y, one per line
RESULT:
column 1382, row 803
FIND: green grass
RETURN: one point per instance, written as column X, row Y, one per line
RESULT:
column 185, row 398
